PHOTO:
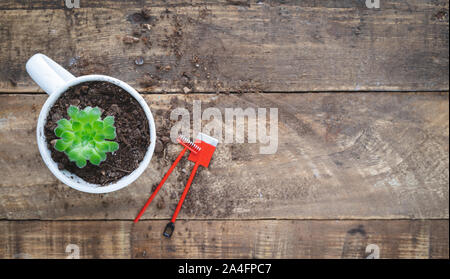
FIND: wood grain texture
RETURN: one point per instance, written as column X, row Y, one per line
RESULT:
column 221, row 46
column 339, row 156
column 226, row 239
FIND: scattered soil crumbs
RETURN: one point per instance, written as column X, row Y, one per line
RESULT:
column 190, row 54
column 12, row 81
column 441, row 16
column 131, row 124
column 83, row 65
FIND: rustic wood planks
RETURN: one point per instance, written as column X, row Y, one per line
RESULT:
column 226, row 239
column 352, row 170
column 340, row 156
column 222, row 46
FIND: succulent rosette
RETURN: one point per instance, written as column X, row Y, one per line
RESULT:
column 85, row 136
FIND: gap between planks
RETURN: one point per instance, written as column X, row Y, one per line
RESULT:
column 25, row 93
column 230, row 220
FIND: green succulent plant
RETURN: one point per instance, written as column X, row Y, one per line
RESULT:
column 84, row 137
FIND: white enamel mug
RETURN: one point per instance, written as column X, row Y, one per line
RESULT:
column 55, row 80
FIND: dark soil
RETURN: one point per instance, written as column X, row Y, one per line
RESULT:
column 131, row 124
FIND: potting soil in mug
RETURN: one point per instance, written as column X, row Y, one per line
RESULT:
column 132, row 128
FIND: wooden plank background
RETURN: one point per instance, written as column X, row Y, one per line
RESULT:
column 274, row 46
column 377, row 156
column 363, row 128
column 226, row 239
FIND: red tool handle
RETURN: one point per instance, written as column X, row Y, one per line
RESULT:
column 160, row 185
column 168, row 231
column 186, row 189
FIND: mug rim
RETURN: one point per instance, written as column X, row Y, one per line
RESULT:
column 71, row 179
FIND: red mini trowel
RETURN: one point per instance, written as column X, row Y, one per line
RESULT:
column 201, row 153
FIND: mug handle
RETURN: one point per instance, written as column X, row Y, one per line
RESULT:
column 48, row 74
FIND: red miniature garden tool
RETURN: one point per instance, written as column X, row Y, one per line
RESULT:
column 201, row 154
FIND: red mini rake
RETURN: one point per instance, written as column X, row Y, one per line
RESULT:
column 201, row 154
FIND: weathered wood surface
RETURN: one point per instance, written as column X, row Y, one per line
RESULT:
column 226, row 239
column 210, row 46
column 340, row 156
